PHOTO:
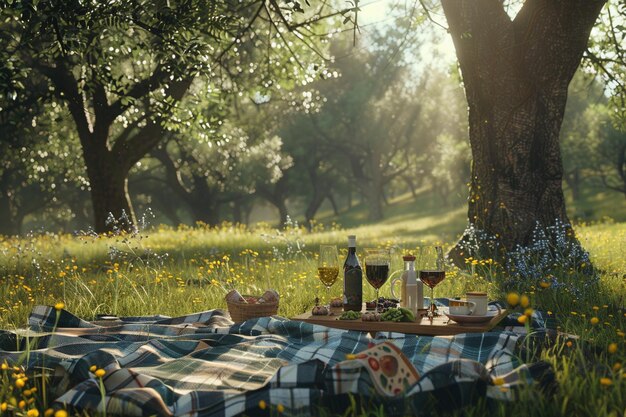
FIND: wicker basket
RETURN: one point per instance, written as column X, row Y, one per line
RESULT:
column 243, row 311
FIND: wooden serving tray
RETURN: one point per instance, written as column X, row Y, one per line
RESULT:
column 439, row 326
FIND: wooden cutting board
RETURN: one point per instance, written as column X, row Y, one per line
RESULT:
column 439, row 326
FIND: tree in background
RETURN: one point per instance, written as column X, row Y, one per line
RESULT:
column 581, row 127
column 383, row 123
column 37, row 172
column 208, row 177
column 365, row 124
column 124, row 68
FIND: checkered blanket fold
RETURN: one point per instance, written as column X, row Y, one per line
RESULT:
column 204, row 365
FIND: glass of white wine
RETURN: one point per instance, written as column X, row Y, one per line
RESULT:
column 328, row 266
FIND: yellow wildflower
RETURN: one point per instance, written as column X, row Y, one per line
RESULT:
column 522, row 319
column 93, row 368
column 512, row 299
column 19, row 383
column 262, row 405
column 498, row 381
column 350, row 356
column 606, row 381
column 280, row 408
column 100, row 373
column 612, row 348
column 33, row 412
column 594, row 320
column 524, row 301
column 3, row 407
column 21, row 404
column 545, row 284
column 49, row 412
column 528, row 312
column 60, row 413
column 617, row 366
column 59, row 306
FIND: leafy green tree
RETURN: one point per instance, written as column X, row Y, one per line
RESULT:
column 209, row 177
column 367, row 120
column 127, row 71
column 582, row 128
column 37, row 172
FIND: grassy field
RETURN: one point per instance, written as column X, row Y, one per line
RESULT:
column 178, row 271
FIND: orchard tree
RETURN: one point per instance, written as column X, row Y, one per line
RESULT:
column 368, row 117
column 38, row 176
column 127, row 70
column 516, row 72
column 207, row 177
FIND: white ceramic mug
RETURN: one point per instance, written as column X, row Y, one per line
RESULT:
column 461, row 307
column 480, row 300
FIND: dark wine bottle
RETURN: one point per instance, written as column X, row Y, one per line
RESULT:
column 352, row 279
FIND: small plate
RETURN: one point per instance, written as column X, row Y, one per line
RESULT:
column 463, row 319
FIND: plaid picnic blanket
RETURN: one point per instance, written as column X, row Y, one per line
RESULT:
column 205, row 365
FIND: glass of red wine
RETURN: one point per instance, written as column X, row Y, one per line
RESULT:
column 431, row 272
column 377, row 262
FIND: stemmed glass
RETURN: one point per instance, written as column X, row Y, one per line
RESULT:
column 432, row 272
column 377, row 262
column 328, row 266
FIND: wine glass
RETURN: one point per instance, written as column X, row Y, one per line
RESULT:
column 328, row 266
column 431, row 272
column 377, row 262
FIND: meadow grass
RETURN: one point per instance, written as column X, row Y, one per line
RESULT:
column 175, row 271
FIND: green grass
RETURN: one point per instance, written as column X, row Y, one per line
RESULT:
column 178, row 271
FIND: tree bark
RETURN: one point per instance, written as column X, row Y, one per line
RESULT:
column 109, row 192
column 573, row 181
column 275, row 194
column 7, row 222
column 516, row 73
column 199, row 196
column 333, row 203
column 369, row 181
column 237, row 213
column 320, row 190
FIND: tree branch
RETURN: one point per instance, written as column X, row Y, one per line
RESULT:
column 172, row 172
column 139, row 90
column 554, row 36
column 136, row 147
column 66, row 84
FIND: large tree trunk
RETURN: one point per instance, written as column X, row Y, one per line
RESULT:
column 369, row 181
column 206, row 214
column 201, row 199
column 320, row 190
column 110, row 199
column 7, row 222
column 573, row 181
column 109, row 189
column 516, row 74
